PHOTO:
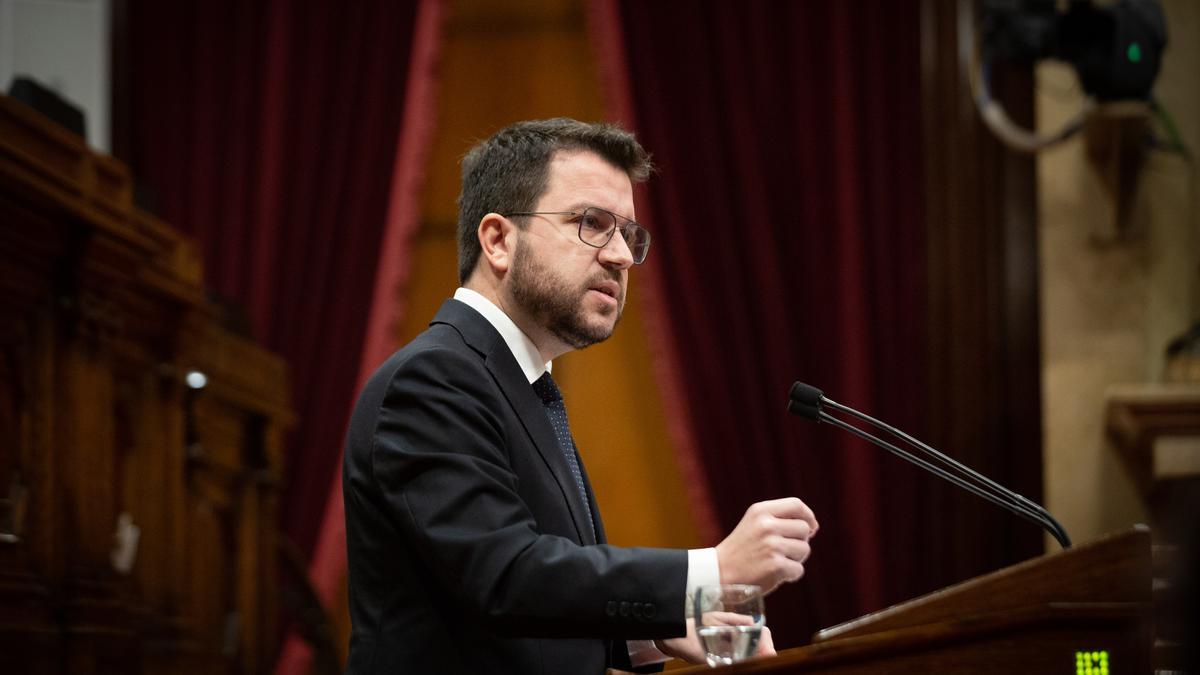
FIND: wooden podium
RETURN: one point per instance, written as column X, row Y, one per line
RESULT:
column 1086, row 610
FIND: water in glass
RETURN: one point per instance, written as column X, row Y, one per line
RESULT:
column 729, row 621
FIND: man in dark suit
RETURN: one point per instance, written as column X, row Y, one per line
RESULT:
column 475, row 543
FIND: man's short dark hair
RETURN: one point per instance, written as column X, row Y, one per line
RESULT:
column 509, row 171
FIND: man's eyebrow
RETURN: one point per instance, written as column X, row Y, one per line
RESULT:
column 580, row 206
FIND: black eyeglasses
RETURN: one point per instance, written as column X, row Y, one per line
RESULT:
column 596, row 228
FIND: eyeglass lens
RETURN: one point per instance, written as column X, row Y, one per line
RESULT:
column 597, row 227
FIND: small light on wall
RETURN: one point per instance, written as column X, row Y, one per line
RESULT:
column 196, row 379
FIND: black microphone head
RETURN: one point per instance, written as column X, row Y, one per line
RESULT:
column 806, row 394
column 806, row 411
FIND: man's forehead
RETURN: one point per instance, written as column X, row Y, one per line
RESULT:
column 587, row 174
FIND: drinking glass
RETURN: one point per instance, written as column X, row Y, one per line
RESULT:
column 729, row 621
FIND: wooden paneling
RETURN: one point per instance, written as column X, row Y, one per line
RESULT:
column 102, row 315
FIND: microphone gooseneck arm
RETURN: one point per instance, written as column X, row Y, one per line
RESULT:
column 808, row 402
column 1015, row 499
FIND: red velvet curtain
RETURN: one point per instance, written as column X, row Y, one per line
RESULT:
column 789, row 244
column 268, row 132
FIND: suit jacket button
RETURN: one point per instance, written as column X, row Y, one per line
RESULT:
column 636, row 610
column 625, row 608
column 649, row 610
column 611, row 608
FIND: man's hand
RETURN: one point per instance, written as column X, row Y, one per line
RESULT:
column 690, row 650
column 769, row 546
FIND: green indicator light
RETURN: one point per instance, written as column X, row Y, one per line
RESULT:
column 1091, row 663
column 1134, row 53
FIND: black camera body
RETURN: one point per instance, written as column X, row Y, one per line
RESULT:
column 1116, row 49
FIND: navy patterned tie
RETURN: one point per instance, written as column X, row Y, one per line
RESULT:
column 551, row 397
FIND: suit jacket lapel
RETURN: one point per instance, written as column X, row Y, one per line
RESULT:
column 498, row 359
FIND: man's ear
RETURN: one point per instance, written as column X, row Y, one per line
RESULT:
column 498, row 241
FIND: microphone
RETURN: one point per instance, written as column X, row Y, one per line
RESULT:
column 808, row 402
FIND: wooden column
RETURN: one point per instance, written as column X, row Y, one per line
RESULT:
column 984, row 376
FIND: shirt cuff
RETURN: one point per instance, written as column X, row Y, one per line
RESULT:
column 703, row 570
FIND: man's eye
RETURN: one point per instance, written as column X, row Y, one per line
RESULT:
column 593, row 223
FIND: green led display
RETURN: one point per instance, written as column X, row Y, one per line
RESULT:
column 1091, row 663
column 1134, row 53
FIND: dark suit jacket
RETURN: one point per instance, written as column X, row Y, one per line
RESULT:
column 469, row 548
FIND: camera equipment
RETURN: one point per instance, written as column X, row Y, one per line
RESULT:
column 1115, row 49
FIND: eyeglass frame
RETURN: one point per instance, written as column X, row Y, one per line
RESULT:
column 619, row 223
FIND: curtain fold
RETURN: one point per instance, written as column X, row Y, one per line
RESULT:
column 611, row 58
column 789, row 244
column 328, row 569
column 288, row 140
column 268, row 132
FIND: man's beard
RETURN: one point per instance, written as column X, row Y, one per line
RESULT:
column 554, row 304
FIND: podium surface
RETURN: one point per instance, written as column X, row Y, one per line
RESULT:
column 1085, row 610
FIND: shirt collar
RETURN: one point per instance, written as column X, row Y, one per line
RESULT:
column 523, row 350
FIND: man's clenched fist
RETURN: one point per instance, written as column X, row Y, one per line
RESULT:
column 770, row 544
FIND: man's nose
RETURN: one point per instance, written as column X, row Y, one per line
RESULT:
column 616, row 253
